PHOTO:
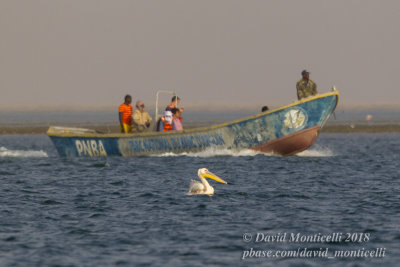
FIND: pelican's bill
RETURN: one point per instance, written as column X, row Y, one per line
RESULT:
column 214, row 177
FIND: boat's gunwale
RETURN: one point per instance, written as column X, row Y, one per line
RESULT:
column 194, row 130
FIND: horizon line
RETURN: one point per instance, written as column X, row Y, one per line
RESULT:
column 214, row 107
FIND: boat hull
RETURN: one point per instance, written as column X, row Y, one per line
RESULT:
column 283, row 131
column 292, row 143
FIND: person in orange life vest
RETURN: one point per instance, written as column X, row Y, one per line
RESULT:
column 165, row 123
column 125, row 115
column 176, row 120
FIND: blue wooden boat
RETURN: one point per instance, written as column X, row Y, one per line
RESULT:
column 283, row 131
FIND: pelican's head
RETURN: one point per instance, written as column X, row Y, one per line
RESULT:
column 205, row 173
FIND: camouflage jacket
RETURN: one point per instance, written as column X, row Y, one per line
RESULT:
column 305, row 89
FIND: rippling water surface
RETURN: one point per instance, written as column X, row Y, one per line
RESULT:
column 134, row 211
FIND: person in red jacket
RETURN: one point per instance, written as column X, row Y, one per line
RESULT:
column 174, row 104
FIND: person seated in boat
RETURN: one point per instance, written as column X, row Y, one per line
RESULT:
column 141, row 118
column 125, row 115
column 165, row 123
column 174, row 104
column 176, row 120
column 264, row 108
column 305, row 87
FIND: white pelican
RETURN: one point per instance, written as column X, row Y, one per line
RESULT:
column 203, row 187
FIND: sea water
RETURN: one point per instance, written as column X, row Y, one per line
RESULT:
column 340, row 200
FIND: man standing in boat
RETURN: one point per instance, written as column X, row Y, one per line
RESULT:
column 174, row 104
column 125, row 115
column 305, row 87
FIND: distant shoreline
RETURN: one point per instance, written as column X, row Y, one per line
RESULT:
column 348, row 128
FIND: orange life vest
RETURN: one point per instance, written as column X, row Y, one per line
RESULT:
column 167, row 126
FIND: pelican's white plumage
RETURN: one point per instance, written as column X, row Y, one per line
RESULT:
column 203, row 187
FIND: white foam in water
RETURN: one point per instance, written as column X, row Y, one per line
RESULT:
column 318, row 152
column 214, row 152
column 4, row 153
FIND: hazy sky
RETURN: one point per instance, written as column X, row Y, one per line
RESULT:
column 93, row 52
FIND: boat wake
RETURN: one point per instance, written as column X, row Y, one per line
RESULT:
column 6, row 153
column 318, row 152
column 214, row 152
